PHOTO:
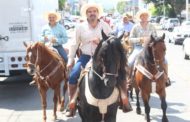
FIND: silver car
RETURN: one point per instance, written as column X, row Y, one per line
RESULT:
column 186, row 48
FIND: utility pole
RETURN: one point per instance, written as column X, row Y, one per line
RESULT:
column 187, row 9
column 164, row 8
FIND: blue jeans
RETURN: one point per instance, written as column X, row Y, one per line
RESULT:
column 75, row 72
column 61, row 52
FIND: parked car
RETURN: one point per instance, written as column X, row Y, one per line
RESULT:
column 186, row 48
column 163, row 22
column 185, row 23
column 171, row 23
column 67, row 23
column 178, row 34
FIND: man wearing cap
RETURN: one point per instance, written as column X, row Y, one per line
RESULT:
column 139, row 35
column 88, row 35
column 125, row 26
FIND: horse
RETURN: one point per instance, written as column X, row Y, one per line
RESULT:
column 49, row 70
column 149, row 75
column 98, row 89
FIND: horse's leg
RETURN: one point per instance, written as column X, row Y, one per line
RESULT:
column 138, row 109
column 162, row 96
column 43, row 100
column 61, row 108
column 146, row 97
column 56, row 99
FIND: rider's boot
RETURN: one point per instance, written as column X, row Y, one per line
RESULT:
column 72, row 90
column 33, row 82
column 168, row 82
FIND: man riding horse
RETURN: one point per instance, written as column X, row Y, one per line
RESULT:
column 88, row 35
column 139, row 36
column 54, row 34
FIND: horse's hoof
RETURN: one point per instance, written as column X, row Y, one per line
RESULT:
column 127, row 108
column 147, row 118
column 138, row 111
column 54, row 118
column 165, row 119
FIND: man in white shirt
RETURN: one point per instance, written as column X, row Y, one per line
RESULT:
column 88, row 35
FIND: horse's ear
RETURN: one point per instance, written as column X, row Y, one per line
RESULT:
column 25, row 44
column 151, row 37
column 121, row 36
column 104, row 36
column 163, row 36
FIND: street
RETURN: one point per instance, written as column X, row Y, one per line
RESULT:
column 20, row 102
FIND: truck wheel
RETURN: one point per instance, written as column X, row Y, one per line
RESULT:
column 67, row 27
column 186, row 56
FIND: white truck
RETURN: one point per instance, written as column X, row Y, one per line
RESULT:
column 20, row 20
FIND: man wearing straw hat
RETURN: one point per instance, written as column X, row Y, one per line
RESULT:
column 124, row 26
column 54, row 34
column 140, row 33
column 88, row 35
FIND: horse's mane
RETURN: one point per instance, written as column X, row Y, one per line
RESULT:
column 123, row 60
column 50, row 52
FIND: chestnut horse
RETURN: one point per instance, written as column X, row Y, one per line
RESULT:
column 49, row 70
column 149, row 75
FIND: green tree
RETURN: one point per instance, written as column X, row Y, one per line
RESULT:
column 172, row 7
column 61, row 4
column 121, row 7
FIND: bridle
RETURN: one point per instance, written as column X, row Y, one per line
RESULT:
column 103, row 76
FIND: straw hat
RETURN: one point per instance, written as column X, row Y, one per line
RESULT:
column 85, row 7
column 125, row 15
column 141, row 12
column 47, row 14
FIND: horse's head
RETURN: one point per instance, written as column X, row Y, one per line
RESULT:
column 158, row 48
column 32, row 57
column 109, row 59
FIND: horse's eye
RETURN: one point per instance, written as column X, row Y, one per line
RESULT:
column 26, row 58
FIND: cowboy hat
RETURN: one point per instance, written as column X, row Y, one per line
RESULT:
column 85, row 7
column 141, row 12
column 47, row 14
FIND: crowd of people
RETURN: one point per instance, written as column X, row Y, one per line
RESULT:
column 88, row 35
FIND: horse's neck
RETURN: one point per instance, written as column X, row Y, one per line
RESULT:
column 97, row 87
column 149, row 61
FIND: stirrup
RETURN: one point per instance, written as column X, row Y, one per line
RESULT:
column 168, row 82
column 70, row 113
column 32, row 83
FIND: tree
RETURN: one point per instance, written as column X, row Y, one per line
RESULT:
column 173, row 7
column 61, row 4
column 121, row 7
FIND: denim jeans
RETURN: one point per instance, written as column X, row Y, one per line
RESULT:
column 75, row 72
column 61, row 52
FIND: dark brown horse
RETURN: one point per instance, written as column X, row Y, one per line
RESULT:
column 149, row 75
column 49, row 70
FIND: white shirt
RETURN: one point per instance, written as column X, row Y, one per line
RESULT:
column 84, row 36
